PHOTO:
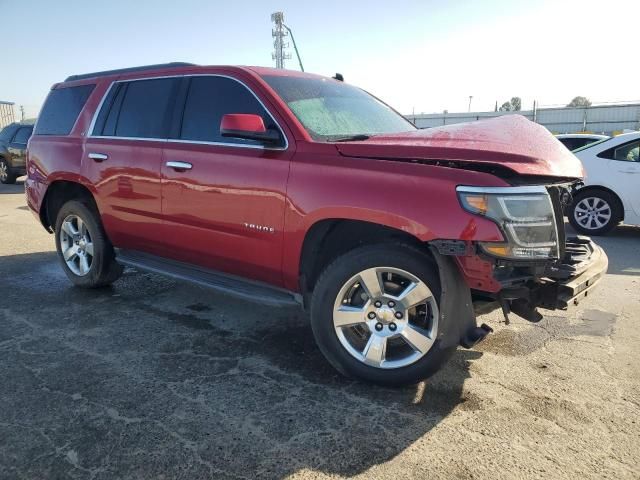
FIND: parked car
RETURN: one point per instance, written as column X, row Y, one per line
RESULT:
column 574, row 141
column 611, row 192
column 289, row 188
column 13, row 147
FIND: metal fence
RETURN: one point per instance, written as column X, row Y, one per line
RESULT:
column 7, row 114
column 608, row 119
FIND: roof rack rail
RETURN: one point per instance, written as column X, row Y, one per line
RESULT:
column 104, row 73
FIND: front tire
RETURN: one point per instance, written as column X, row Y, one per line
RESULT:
column 7, row 175
column 84, row 250
column 375, row 315
column 594, row 212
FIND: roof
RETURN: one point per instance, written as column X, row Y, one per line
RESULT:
column 582, row 135
column 163, row 67
column 143, row 68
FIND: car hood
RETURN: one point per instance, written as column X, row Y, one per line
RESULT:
column 510, row 141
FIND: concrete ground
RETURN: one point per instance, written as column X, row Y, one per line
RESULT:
column 153, row 378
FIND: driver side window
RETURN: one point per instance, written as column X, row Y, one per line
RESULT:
column 628, row 153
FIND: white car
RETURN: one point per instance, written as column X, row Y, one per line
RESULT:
column 574, row 141
column 611, row 192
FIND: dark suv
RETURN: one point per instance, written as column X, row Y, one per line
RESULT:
column 13, row 147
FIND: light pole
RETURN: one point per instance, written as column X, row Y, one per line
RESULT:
column 470, row 97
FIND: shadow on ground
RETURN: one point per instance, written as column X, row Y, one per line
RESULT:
column 17, row 187
column 155, row 378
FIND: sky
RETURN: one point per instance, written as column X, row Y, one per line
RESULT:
column 418, row 56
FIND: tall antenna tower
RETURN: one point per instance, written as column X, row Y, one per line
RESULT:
column 278, row 33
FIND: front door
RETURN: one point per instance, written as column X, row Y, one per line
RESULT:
column 223, row 199
column 624, row 169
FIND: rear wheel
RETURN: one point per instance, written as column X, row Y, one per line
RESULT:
column 594, row 212
column 84, row 250
column 375, row 315
column 7, row 176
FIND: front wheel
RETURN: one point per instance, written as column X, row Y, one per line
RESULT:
column 375, row 315
column 84, row 250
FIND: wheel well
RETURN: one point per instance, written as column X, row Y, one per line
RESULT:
column 591, row 188
column 59, row 193
column 328, row 239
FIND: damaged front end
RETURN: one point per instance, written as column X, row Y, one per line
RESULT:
column 536, row 265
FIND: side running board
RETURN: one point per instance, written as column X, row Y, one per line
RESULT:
column 236, row 286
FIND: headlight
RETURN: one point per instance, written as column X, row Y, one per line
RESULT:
column 525, row 216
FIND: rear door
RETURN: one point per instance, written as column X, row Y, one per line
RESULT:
column 226, row 212
column 122, row 160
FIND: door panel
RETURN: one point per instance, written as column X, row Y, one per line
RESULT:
column 227, row 211
column 625, row 175
column 128, row 190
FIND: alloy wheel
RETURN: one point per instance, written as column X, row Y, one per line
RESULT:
column 76, row 245
column 386, row 317
column 592, row 213
column 4, row 171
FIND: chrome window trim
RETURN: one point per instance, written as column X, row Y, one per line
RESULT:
column 178, row 140
column 503, row 190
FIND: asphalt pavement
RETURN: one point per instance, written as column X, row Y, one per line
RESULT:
column 154, row 378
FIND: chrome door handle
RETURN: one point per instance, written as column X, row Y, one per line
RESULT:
column 98, row 157
column 179, row 166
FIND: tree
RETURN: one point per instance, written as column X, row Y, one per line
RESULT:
column 513, row 105
column 579, row 102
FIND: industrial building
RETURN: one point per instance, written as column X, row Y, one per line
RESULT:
column 608, row 119
column 7, row 115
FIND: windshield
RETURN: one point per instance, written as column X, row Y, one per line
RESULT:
column 332, row 111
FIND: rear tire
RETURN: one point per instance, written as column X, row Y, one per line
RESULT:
column 594, row 212
column 85, row 252
column 7, row 175
column 407, row 337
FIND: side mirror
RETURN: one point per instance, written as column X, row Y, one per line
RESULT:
column 247, row 126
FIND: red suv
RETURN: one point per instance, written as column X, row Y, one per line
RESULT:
column 285, row 187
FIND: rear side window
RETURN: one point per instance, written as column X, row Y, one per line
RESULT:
column 208, row 100
column 137, row 109
column 61, row 110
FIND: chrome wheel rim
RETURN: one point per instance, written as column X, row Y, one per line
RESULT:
column 386, row 317
column 592, row 213
column 4, row 173
column 76, row 245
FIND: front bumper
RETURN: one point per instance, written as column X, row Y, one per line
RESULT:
column 585, row 263
column 561, row 285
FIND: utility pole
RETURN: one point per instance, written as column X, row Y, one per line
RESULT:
column 22, row 113
column 278, row 33
column 470, row 97
column 295, row 47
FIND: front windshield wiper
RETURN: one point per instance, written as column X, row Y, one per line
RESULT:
column 352, row 138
